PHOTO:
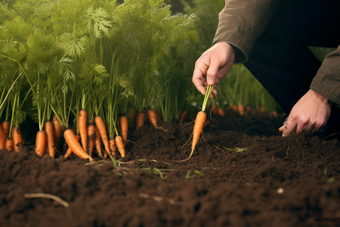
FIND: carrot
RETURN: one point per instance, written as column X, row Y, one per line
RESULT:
column 5, row 127
column 69, row 150
column 98, row 143
column 152, row 117
column 215, row 110
column 120, row 145
column 3, row 138
column 140, row 120
column 91, row 132
column 182, row 116
column 133, row 114
column 274, row 113
column 72, row 142
column 40, row 143
column 113, row 147
column 124, row 127
column 102, row 131
column 240, row 109
column 199, row 123
column 261, row 109
column 49, row 130
column 82, row 121
column 234, row 107
column 17, row 138
column 220, row 112
column 9, row 145
column 57, row 130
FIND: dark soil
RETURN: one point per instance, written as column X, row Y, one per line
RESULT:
column 273, row 181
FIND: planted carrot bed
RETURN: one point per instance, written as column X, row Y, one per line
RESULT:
column 242, row 173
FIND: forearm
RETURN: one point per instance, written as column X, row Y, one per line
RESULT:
column 327, row 80
column 242, row 22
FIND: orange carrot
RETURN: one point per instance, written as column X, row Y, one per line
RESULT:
column 17, row 138
column 152, row 117
column 82, row 121
column 49, row 130
column 120, row 145
column 140, row 120
column 182, row 116
column 9, row 145
column 199, row 123
column 69, row 150
column 240, row 109
column 5, row 127
column 113, row 147
column 3, row 138
column 40, row 143
column 215, row 110
column 102, row 131
column 274, row 113
column 57, row 130
column 124, row 127
column 72, row 142
column 133, row 114
column 261, row 109
column 234, row 107
column 220, row 112
column 98, row 144
column 91, row 132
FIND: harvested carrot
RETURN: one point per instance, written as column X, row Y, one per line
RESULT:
column 133, row 114
column 57, row 130
column 102, row 131
column 199, row 122
column 182, row 116
column 91, row 132
column 3, row 138
column 140, row 120
column 113, row 147
column 9, row 145
column 17, row 138
column 124, row 127
column 82, row 121
column 69, row 150
column 40, row 143
column 120, row 145
column 240, row 109
column 220, row 112
column 98, row 144
column 72, row 142
column 5, row 127
column 48, row 128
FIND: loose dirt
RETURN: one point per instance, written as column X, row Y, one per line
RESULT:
column 243, row 173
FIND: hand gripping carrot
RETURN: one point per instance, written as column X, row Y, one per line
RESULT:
column 49, row 130
column 124, row 127
column 82, row 125
column 40, row 143
column 199, row 122
column 72, row 142
column 17, row 138
column 103, row 133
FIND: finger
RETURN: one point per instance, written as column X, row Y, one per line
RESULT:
column 198, row 76
column 282, row 128
column 289, row 127
column 212, row 72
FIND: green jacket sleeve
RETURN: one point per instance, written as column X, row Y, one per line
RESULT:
column 241, row 22
column 327, row 80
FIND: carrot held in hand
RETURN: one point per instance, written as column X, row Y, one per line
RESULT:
column 199, row 122
column 17, row 138
column 82, row 121
column 124, row 127
column 72, row 142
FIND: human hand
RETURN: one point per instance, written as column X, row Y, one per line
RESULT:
column 312, row 110
column 212, row 66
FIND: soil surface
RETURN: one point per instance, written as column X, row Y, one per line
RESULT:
column 242, row 173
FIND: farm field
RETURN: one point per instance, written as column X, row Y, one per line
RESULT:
column 242, row 173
